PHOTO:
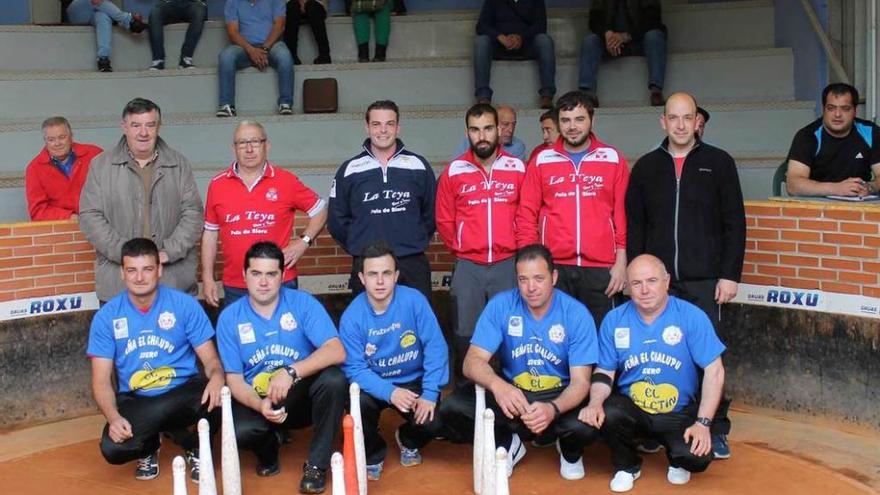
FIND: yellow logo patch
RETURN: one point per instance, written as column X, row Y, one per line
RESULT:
column 654, row 399
column 533, row 382
column 407, row 339
column 151, row 379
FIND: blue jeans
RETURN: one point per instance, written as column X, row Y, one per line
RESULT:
column 232, row 294
column 541, row 48
column 652, row 46
column 168, row 11
column 234, row 58
column 102, row 16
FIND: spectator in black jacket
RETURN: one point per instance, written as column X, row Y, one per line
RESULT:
column 514, row 31
column 685, row 206
column 315, row 13
column 621, row 28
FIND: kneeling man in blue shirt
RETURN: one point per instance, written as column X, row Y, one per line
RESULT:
column 654, row 345
column 396, row 353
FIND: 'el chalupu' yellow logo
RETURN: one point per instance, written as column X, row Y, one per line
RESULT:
column 534, row 382
column 654, row 399
column 151, row 379
column 407, row 339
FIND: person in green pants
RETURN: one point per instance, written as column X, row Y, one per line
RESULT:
column 382, row 19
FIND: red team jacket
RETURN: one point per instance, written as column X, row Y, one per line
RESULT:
column 475, row 209
column 50, row 194
column 576, row 211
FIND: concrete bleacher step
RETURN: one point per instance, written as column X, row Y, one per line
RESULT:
column 727, row 75
column 435, row 133
column 692, row 27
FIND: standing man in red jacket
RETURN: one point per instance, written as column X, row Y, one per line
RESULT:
column 54, row 177
column 477, row 198
column 572, row 201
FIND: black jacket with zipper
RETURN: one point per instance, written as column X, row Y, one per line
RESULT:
column 695, row 224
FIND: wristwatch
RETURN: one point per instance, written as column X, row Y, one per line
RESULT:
column 291, row 371
column 704, row 421
column 306, row 239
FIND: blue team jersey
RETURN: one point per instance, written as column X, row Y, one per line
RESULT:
column 154, row 351
column 657, row 364
column 256, row 348
column 536, row 355
column 401, row 345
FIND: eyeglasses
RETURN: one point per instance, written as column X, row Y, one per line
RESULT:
column 250, row 142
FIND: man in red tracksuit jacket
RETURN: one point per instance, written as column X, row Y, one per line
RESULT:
column 55, row 177
column 573, row 202
column 477, row 199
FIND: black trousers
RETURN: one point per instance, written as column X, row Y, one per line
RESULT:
column 625, row 423
column 316, row 15
column 174, row 410
column 701, row 293
column 587, row 284
column 317, row 400
column 415, row 272
column 457, row 415
column 412, row 435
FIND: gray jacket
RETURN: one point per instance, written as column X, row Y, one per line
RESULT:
column 111, row 213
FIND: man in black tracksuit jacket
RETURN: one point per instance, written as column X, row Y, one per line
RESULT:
column 385, row 192
column 684, row 205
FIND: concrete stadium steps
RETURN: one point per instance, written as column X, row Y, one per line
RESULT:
column 727, row 75
column 714, row 26
column 739, row 128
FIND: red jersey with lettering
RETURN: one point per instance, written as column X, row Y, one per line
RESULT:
column 475, row 209
column 576, row 210
column 265, row 212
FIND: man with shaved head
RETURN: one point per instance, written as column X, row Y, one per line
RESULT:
column 685, row 206
column 655, row 346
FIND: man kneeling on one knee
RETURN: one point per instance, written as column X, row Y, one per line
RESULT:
column 654, row 344
column 280, row 350
column 396, row 353
column 546, row 345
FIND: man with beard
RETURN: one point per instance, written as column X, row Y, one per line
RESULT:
column 477, row 198
column 574, row 194
column 385, row 192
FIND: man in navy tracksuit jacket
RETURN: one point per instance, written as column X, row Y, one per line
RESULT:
column 396, row 353
column 385, row 193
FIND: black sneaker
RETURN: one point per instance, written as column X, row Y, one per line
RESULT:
column 314, row 479
column 186, row 63
column 104, row 65
column 136, row 25
column 157, row 65
column 322, row 59
column 192, row 459
column 147, row 467
column 226, row 111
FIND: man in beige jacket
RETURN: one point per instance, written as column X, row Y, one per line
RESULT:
column 142, row 188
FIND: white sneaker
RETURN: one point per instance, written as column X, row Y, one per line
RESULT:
column 570, row 470
column 678, row 476
column 515, row 453
column 623, row 481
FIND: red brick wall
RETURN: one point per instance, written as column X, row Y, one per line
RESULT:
column 804, row 245
column 53, row 258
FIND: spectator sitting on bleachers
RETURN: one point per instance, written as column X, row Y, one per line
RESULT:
column 837, row 153
column 164, row 12
column 702, row 119
column 255, row 28
column 511, row 144
column 514, row 30
column 620, row 28
column 102, row 14
column 54, row 177
column 549, row 132
column 380, row 11
column 315, row 12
